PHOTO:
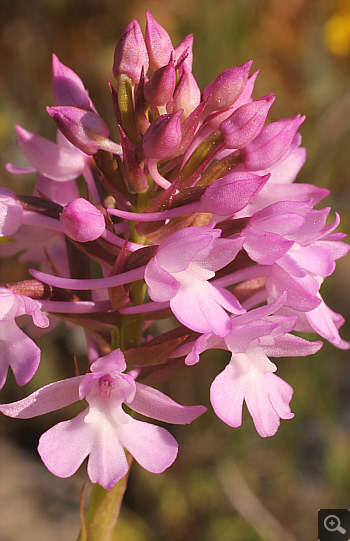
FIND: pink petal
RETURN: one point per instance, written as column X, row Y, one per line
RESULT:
column 315, row 259
column 301, row 292
column 227, row 395
column 11, row 213
column 321, row 320
column 286, row 170
column 67, row 87
column 265, row 248
column 50, row 159
column 19, row 352
column 107, row 462
column 291, row 346
column 198, row 309
column 267, row 398
column 65, row 446
column 162, row 286
column 241, row 336
column 153, row 447
column 49, row 398
column 112, row 362
column 153, row 403
column 224, row 251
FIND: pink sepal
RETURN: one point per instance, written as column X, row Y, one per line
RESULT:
column 153, row 403
column 50, row 159
column 49, row 398
column 67, row 87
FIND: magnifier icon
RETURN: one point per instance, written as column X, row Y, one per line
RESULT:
column 332, row 524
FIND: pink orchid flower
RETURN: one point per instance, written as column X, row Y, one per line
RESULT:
column 180, row 271
column 17, row 350
column 103, row 430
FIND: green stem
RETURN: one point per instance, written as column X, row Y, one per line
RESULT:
column 103, row 511
column 104, row 505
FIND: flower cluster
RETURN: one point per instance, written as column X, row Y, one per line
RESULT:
column 194, row 214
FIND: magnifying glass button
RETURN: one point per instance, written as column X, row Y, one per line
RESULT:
column 332, row 524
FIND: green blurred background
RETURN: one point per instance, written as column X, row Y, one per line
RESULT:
column 226, row 485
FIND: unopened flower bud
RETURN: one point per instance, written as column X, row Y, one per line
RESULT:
column 271, row 144
column 67, row 88
column 158, row 43
column 84, row 129
column 232, row 193
column 130, row 53
column 159, row 89
column 187, row 95
column 81, row 221
column 227, row 86
column 246, row 122
column 163, row 136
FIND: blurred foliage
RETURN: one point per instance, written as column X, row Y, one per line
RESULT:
column 226, row 485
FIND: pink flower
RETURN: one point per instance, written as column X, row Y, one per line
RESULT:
column 17, row 350
column 180, row 271
column 104, row 430
column 312, row 255
column 249, row 377
column 249, row 374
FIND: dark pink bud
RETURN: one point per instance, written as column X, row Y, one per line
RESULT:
column 82, row 128
column 81, row 221
column 130, row 53
column 158, row 43
column 246, row 122
column 271, row 144
column 163, row 136
column 185, row 48
column 159, row 89
column 187, row 95
column 67, row 88
column 227, row 86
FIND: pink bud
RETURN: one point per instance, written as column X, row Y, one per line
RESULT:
column 81, row 221
column 67, row 88
column 130, row 53
column 271, row 144
column 232, row 193
column 185, row 47
column 163, row 136
column 246, row 122
column 187, row 95
column 227, row 86
column 82, row 128
column 158, row 43
column 159, row 89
